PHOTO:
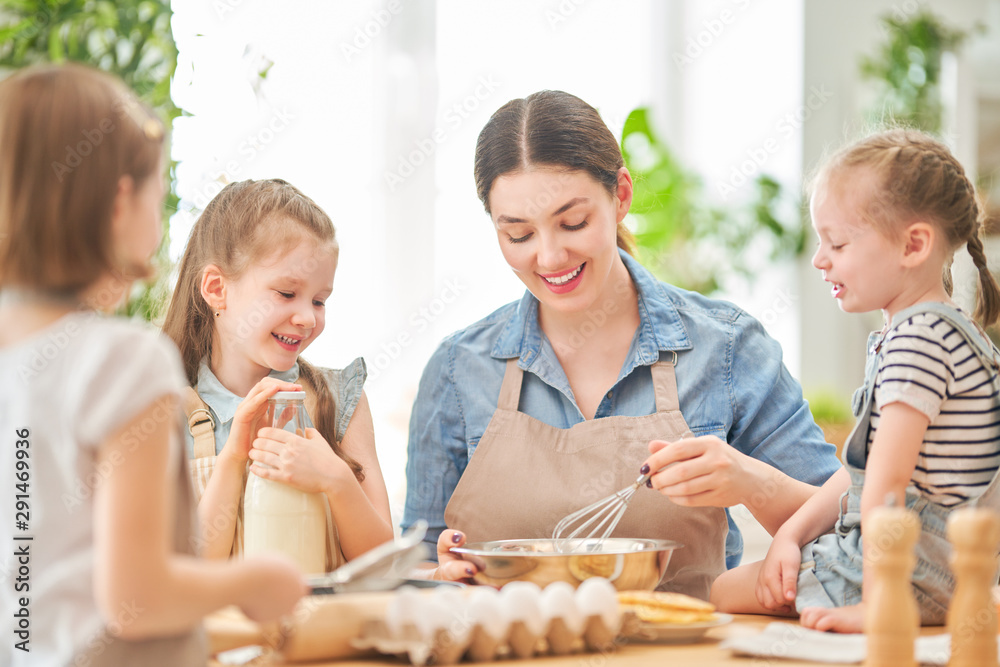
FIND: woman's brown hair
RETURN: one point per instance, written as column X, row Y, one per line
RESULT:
column 918, row 178
column 243, row 224
column 549, row 128
column 68, row 134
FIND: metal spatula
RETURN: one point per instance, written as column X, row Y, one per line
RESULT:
column 382, row 568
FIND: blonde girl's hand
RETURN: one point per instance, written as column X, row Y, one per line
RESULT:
column 250, row 414
column 451, row 566
column 778, row 578
column 304, row 461
column 277, row 584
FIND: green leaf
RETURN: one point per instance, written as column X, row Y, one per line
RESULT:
column 129, row 38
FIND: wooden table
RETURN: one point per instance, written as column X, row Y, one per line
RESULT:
column 704, row 652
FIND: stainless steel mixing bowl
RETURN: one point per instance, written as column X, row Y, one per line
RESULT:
column 630, row 564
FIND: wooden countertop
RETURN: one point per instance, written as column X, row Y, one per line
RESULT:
column 705, row 652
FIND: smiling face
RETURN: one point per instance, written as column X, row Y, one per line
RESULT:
column 276, row 308
column 863, row 265
column 557, row 231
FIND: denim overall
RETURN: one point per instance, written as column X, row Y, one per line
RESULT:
column 832, row 566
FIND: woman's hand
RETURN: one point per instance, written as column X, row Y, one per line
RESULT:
column 778, row 578
column 249, row 415
column 704, row 471
column 451, row 567
column 304, row 462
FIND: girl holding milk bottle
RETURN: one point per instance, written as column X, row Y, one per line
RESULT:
column 250, row 298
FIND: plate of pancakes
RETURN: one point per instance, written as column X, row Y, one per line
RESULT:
column 657, row 616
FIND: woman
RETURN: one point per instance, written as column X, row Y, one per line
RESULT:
column 563, row 397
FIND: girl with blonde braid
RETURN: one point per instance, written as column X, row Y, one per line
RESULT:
column 890, row 212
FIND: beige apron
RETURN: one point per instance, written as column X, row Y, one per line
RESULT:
column 526, row 475
column 202, row 428
column 186, row 650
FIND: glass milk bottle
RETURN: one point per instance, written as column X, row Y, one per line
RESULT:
column 278, row 517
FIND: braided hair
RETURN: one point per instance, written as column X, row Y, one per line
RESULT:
column 919, row 178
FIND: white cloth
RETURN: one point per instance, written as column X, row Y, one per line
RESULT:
column 71, row 385
column 793, row 642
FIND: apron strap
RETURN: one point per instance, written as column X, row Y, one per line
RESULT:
column 665, row 384
column 200, row 424
column 510, row 390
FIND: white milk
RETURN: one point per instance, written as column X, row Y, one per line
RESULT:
column 280, row 518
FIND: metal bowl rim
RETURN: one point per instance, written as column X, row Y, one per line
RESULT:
column 474, row 548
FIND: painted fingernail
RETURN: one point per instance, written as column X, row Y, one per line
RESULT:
column 649, row 483
column 469, row 571
column 456, row 537
column 644, row 470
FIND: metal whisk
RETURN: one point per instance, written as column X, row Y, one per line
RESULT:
column 587, row 523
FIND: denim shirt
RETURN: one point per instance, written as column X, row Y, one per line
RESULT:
column 345, row 385
column 731, row 383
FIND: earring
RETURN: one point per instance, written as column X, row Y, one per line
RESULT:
column 217, row 313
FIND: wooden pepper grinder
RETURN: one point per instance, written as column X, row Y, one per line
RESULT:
column 972, row 618
column 891, row 618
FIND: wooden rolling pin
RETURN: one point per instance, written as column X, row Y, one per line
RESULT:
column 320, row 628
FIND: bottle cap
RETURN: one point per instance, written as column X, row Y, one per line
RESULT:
column 289, row 396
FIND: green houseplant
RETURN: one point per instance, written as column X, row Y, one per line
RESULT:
column 907, row 67
column 689, row 242
column 129, row 38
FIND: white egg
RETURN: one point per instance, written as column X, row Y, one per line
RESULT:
column 558, row 601
column 486, row 611
column 597, row 596
column 435, row 614
column 450, row 595
column 522, row 601
column 454, row 604
column 403, row 609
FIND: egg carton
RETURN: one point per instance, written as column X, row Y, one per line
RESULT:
column 446, row 629
column 445, row 648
